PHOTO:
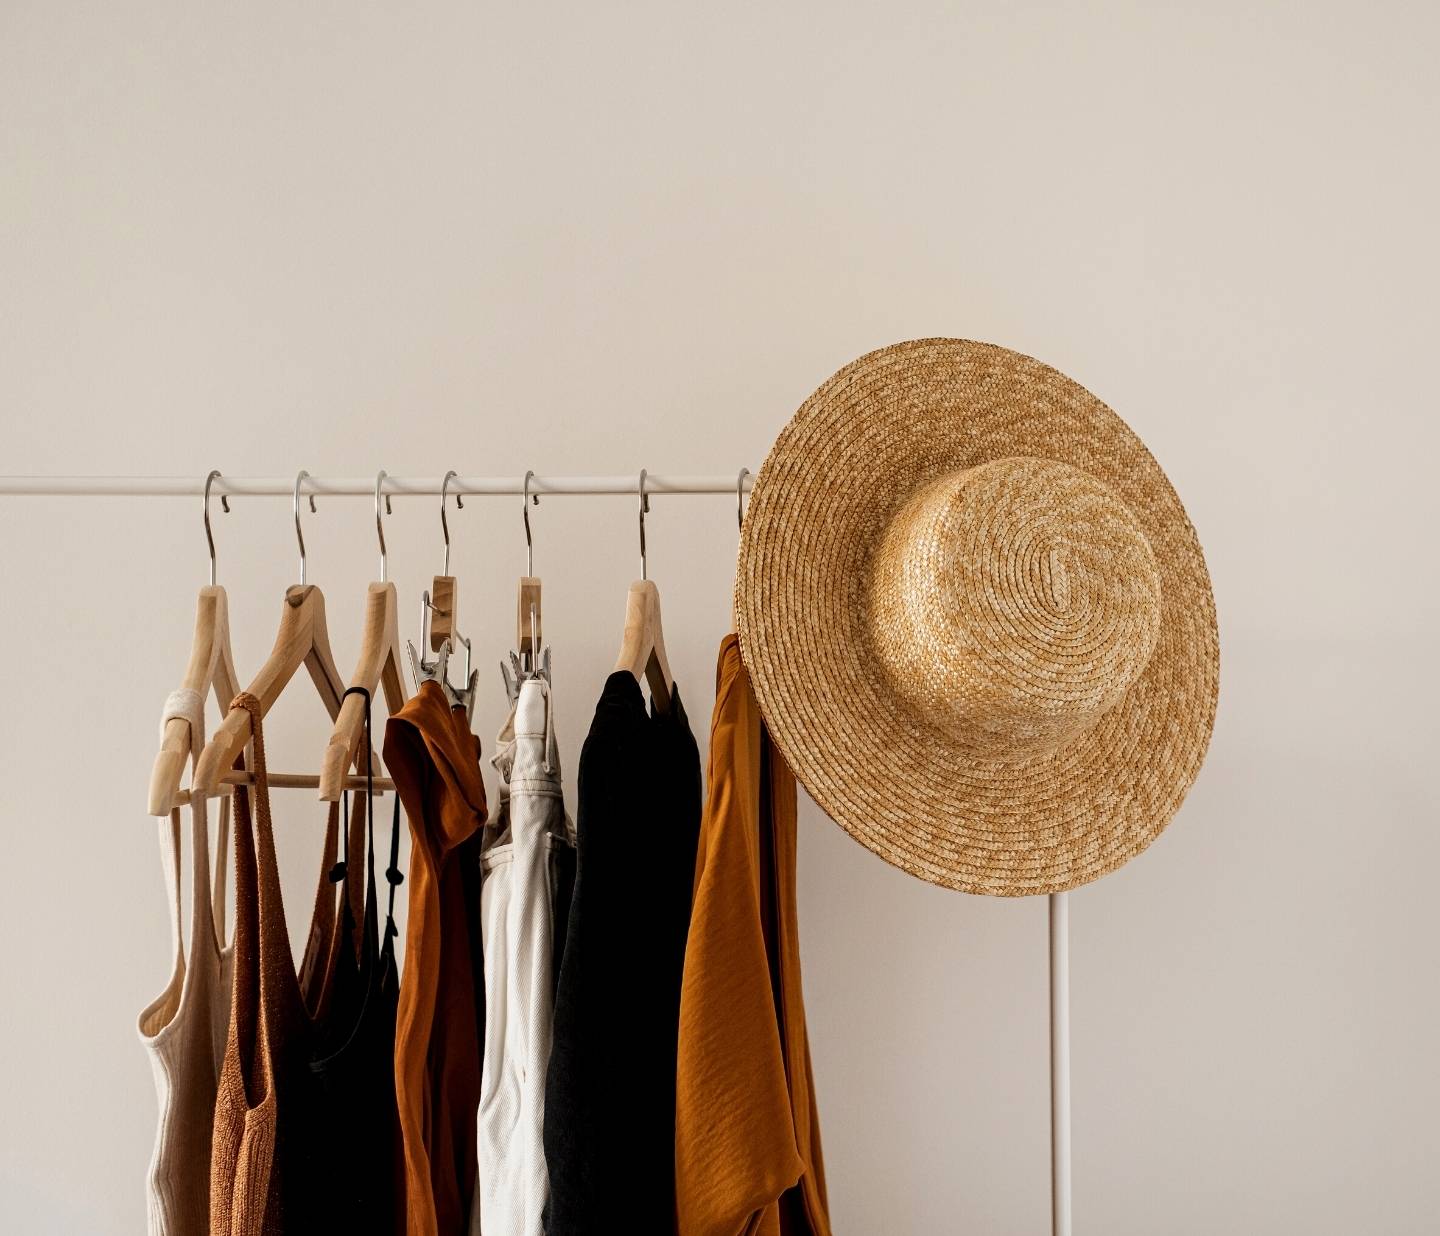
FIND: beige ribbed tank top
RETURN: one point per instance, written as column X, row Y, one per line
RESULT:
column 184, row 1028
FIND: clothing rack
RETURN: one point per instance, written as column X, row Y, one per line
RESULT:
column 734, row 486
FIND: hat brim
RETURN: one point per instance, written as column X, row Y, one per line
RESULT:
column 869, row 438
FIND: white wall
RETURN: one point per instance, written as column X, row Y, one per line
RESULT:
column 590, row 238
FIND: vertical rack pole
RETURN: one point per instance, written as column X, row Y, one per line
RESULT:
column 1059, row 1065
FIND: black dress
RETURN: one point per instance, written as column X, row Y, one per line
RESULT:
column 610, row 1089
column 358, row 1181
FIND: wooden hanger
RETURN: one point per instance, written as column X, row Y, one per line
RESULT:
column 212, row 666
column 642, row 647
column 303, row 639
column 378, row 667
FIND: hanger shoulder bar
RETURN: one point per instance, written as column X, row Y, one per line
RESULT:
column 211, row 666
column 301, row 640
column 378, row 667
column 283, row 781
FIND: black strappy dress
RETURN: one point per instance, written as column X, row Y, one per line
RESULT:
column 359, row 1175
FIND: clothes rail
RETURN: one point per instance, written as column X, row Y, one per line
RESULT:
column 403, row 486
column 361, row 486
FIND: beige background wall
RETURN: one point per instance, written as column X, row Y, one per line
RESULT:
column 591, row 238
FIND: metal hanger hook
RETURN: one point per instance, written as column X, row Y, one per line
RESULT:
column 444, row 522
column 644, row 508
column 300, row 476
column 224, row 506
column 527, row 500
column 380, row 523
column 740, row 497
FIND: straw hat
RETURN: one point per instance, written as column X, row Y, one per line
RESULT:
column 977, row 619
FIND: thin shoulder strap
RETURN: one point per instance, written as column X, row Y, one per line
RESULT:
column 393, row 875
column 168, row 835
column 222, row 884
column 189, row 705
column 274, row 938
column 245, row 991
column 366, row 918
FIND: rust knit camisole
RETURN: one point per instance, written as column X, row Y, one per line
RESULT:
column 265, row 1109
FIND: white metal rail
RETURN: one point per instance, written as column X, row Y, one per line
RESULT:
column 361, row 486
column 402, row 486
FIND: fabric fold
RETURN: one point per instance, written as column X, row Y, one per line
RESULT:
column 747, row 1137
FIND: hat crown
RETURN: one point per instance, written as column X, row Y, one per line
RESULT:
column 1013, row 604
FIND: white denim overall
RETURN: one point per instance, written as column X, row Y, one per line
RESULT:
column 517, row 906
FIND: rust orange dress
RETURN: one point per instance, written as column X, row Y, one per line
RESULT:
column 747, row 1136
column 435, row 761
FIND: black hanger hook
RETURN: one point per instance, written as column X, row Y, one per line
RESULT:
column 644, row 509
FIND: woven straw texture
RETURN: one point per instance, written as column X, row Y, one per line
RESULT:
column 977, row 619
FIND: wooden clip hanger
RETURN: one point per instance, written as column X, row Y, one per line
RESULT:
column 438, row 625
column 642, row 646
column 303, row 639
column 529, row 632
column 211, row 667
column 377, row 668
column 443, row 609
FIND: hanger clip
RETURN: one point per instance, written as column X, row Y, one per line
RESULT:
column 517, row 668
column 438, row 671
